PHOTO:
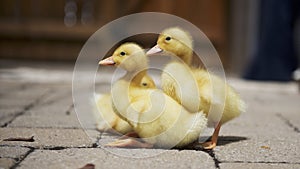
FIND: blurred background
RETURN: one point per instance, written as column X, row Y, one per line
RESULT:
column 255, row 39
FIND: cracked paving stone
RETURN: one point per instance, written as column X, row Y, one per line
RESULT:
column 7, row 88
column 261, row 121
column 27, row 94
column 15, row 102
column 292, row 119
column 6, row 115
column 57, row 121
column 76, row 158
column 271, row 102
column 10, row 155
column 258, row 166
column 259, row 86
column 13, row 152
column 47, row 138
column 6, row 162
column 254, row 126
column 58, row 96
column 49, row 110
column 54, row 104
column 23, row 91
column 63, row 117
column 254, row 151
column 9, row 85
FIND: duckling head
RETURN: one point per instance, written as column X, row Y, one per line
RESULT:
column 176, row 41
column 128, row 56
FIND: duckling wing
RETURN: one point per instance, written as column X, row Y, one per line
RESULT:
column 106, row 118
column 218, row 100
column 103, row 113
column 145, row 107
column 178, row 82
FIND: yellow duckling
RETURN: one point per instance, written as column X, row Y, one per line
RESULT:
column 210, row 93
column 157, row 118
column 106, row 118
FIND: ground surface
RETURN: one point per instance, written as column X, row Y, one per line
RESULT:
column 36, row 100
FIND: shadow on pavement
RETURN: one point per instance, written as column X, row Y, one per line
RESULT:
column 223, row 140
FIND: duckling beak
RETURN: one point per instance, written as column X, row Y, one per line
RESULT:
column 107, row 61
column 155, row 49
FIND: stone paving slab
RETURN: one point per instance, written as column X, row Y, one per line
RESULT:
column 56, row 121
column 267, row 116
column 7, row 115
column 7, row 162
column 23, row 90
column 58, row 95
column 8, row 87
column 49, row 110
column 9, row 156
column 13, row 102
column 266, row 136
column 53, row 104
column 268, row 127
column 261, row 134
column 13, row 152
column 258, row 166
column 263, row 86
column 292, row 119
column 76, row 158
column 270, row 102
column 253, row 150
column 46, row 138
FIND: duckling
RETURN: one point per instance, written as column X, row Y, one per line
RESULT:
column 106, row 118
column 210, row 94
column 157, row 118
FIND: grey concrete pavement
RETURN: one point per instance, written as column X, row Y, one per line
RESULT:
column 34, row 104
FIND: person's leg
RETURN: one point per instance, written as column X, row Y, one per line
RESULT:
column 275, row 57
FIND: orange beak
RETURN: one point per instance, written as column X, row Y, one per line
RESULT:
column 153, row 50
column 107, row 61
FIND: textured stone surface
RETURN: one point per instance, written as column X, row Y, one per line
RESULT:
column 13, row 152
column 258, row 166
column 8, row 114
column 46, row 138
column 13, row 102
column 32, row 104
column 54, row 121
column 76, row 158
column 252, row 150
column 22, row 91
column 254, row 126
column 7, row 162
column 9, row 156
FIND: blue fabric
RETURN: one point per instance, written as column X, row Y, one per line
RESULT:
column 275, row 58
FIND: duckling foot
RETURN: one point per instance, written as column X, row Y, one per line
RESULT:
column 130, row 134
column 209, row 145
column 129, row 143
column 213, row 143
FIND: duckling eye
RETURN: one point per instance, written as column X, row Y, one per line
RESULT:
column 122, row 53
column 144, row 84
column 168, row 38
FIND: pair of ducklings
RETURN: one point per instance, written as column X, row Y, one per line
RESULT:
column 190, row 99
